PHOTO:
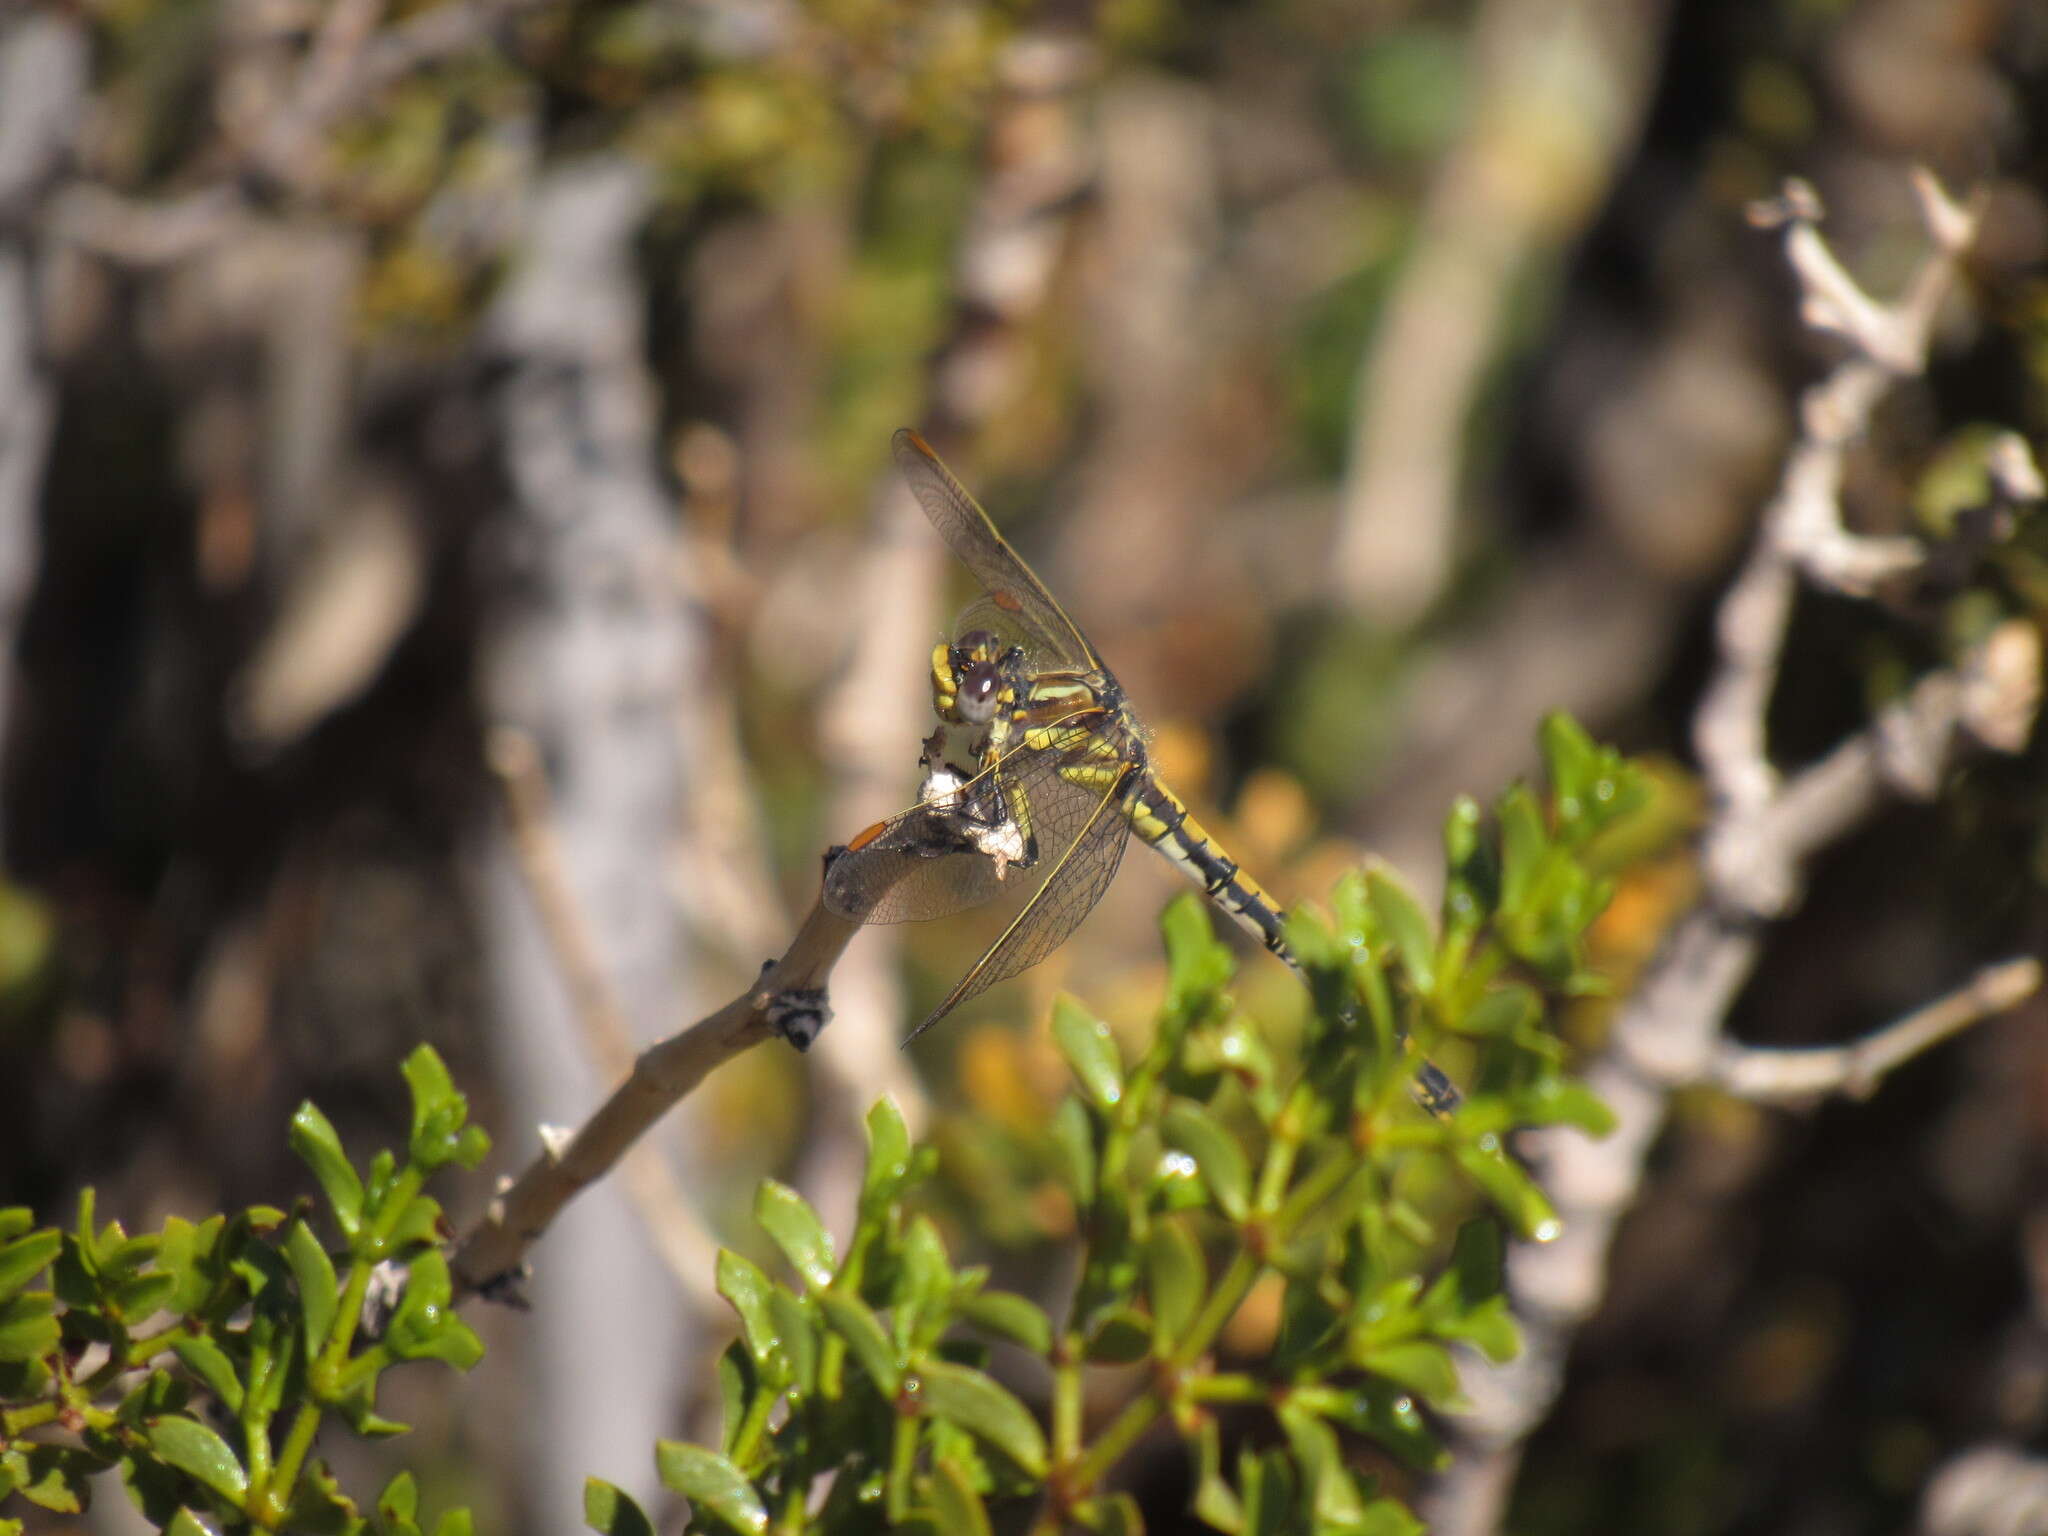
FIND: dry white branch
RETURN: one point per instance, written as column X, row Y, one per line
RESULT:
column 1668, row 1033
column 1993, row 1490
column 1775, row 1075
column 1802, row 530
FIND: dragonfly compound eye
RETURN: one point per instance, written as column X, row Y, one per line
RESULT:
column 980, row 681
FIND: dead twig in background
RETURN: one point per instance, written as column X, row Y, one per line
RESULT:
column 673, row 1225
column 1781, row 1075
column 1667, row 1034
column 1480, row 227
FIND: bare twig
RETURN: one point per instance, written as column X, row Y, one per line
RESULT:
column 662, row 1077
column 1780, row 1075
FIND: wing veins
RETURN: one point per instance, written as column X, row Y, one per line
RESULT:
column 969, row 984
column 980, row 546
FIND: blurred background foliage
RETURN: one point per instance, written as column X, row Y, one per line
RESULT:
column 1369, row 379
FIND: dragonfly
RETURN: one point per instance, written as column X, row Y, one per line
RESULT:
column 1035, row 779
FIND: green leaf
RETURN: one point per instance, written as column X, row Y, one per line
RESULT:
column 52, row 1477
column 1501, row 1012
column 1176, row 1278
column 15, row 1220
column 209, row 1362
column 712, row 1484
column 956, row 1507
column 1090, row 1051
column 1073, row 1144
column 1216, row 1504
column 439, row 1111
column 1009, row 1316
column 425, row 1326
column 1571, row 762
column 23, row 1381
column 201, row 1455
column 849, row 1317
column 1119, row 1336
column 314, row 1140
column 738, row 1380
column 923, row 1293
column 419, row 1224
column 1422, row 1367
column 889, row 1158
column 747, row 1287
column 611, row 1510
column 1190, row 1127
column 797, row 1338
column 22, row 1260
column 1563, row 1101
column 1386, row 1413
column 142, row 1297
column 319, row 1507
column 318, row 1289
column 1523, row 843
column 1334, row 1500
column 788, row 1218
column 1113, row 1514
column 400, row 1499
column 358, row 1410
column 192, row 1254
column 1402, row 919
column 1516, row 1195
column 28, row 1326
column 185, row 1523
column 977, row 1404
column 1198, row 964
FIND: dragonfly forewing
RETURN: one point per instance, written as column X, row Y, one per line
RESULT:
column 1015, row 603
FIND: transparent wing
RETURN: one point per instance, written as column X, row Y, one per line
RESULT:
column 1076, row 882
column 1017, row 606
column 999, row 833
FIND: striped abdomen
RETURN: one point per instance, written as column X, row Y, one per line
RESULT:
column 1158, row 816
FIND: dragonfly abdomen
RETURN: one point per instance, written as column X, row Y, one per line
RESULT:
column 1160, row 818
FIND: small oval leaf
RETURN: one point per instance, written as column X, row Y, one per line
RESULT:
column 209, row 1362
column 977, row 1404
column 318, row 1288
column 612, row 1511
column 21, row 1261
column 200, row 1454
column 1201, row 1135
column 957, row 1508
column 1010, row 1316
column 314, row 1140
column 1090, row 1051
column 1402, row 919
column 1176, row 1279
column 788, row 1218
column 712, row 1484
column 849, row 1317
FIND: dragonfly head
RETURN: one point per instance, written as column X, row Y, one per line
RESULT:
column 980, row 667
